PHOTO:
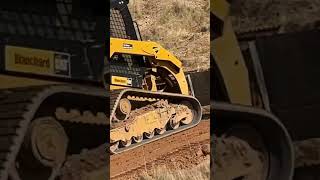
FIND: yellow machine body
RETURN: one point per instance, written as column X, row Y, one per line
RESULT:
column 228, row 56
column 157, row 56
column 142, row 115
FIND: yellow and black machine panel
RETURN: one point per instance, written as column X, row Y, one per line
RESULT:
column 37, row 61
column 121, row 81
column 31, row 38
column 125, row 70
column 52, row 59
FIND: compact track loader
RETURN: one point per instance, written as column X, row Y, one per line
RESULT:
column 150, row 95
column 249, row 141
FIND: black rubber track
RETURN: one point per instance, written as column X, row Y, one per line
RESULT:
column 160, row 95
column 113, row 98
column 17, row 109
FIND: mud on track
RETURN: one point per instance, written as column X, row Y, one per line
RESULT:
column 179, row 151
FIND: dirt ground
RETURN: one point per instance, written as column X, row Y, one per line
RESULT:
column 184, row 150
column 91, row 164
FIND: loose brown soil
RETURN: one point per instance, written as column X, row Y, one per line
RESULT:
column 180, row 151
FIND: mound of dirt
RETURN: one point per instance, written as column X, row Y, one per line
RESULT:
column 90, row 164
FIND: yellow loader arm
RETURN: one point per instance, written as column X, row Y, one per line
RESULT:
column 158, row 56
column 144, row 48
column 228, row 56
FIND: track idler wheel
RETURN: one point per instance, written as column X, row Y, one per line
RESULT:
column 48, row 141
column 124, row 109
column 189, row 113
column 43, row 151
column 125, row 106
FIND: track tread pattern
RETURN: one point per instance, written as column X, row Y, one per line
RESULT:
column 17, row 108
column 114, row 95
column 156, row 95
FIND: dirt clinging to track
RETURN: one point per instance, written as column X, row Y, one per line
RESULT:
column 180, row 151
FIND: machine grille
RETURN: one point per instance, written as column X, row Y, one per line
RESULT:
column 53, row 20
column 121, row 24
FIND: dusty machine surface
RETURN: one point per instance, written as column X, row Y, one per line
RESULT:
column 279, row 41
column 52, row 100
column 249, row 142
column 151, row 97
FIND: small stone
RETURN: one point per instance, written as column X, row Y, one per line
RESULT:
column 206, row 149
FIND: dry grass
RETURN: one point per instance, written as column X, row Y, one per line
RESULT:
column 200, row 172
column 181, row 26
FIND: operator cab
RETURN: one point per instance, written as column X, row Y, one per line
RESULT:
column 125, row 70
